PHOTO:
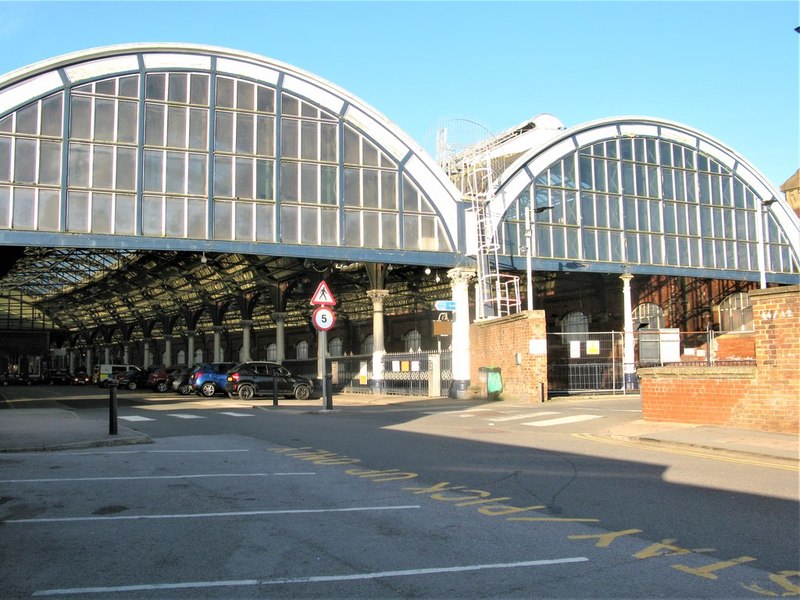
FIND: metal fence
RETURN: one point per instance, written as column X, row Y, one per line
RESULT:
column 405, row 373
column 594, row 361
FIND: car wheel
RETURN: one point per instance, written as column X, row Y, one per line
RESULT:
column 208, row 389
column 302, row 392
column 184, row 389
column 132, row 385
column 246, row 392
column 161, row 386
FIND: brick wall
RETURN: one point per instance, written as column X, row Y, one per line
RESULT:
column 765, row 397
column 501, row 342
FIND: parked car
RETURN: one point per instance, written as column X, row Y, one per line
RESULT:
column 57, row 377
column 135, row 378
column 157, row 379
column 211, row 378
column 11, row 378
column 258, row 378
column 81, row 378
column 180, row 380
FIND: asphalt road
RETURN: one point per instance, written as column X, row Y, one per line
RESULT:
column 431, row 499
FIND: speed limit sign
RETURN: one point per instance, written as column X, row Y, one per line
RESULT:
column 323, row 318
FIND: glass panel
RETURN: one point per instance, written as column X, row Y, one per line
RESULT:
column 352, row 228
column 155, row 86
column 309, row 226
column 28, row 119
column 175, row 217
column 80, row 118
column 5, row 159
column 224, row 92
column 389, row 190
column 351, row 146
column 101, row 213
column 308, row 110
column 309, row 140
column 265, row 100
column 290, row 105
column 198, row 128
column 264, row 223
column 289, row 129
column 176, row 126
column 198, row 89
column 127, row 122
column 103, row 168
column 370, row 154
column 125, row 215
column 289, row 225
column 370, row 195
column 152, row 215
column 104, row 120
column 176, row 172
column 289, row 182
column 329, row 227
column 78, row 212
column 153, row 170
column 223, row 176
column 265, row 136
column 264, row 182
column 244, row 178
column 245, row 95
column 410, row 196
column 196, row 218
column 388, row 231
column 328, row 142
column 222, row 220
column 352, row 187
column 308, row 183
column 245, row 143
column 244, row 221
column 24, row 208
column 51, row 115
column 154, row 125
column 198, row 174
column 328, row 185
column 49, row 162
column 49, row 210
column 79, row 165
column 223, row 132
column 372, row 229
column 126, row 169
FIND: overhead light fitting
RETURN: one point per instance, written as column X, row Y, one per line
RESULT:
column 203, row 258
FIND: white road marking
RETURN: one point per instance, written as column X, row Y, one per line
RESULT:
column 524, row 416
column 135, row 418
column 310, row 579
column 562, row 420
column 235, row 414
column 247, row 513
column 149, row 452
column 200, row 476
column 185, row 416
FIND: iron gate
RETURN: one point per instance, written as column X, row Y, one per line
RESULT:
column 585, row 362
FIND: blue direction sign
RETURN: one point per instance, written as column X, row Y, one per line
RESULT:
column 445, row 305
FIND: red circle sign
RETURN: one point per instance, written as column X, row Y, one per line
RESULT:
column 323, row 318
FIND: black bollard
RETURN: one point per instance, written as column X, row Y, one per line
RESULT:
column 112, row 407
column 328, row 391
column 274, row 390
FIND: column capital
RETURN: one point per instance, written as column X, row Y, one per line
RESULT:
column 461, row 275
column 626, row 277
column 378, row 295
column 279, row 317
column 246, row 322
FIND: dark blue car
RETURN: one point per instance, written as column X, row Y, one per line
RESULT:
column 210, row 378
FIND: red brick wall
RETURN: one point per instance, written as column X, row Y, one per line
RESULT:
column 765, row 397
column 496, row 342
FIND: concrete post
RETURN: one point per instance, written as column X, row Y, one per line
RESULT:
column 378, row 348
column 190, row 347
column 247, row 325
column 280, row 335
column 460, row 279
column 218, row 343
column 629, row 366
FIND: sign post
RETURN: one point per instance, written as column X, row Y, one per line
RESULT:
column 324, row 319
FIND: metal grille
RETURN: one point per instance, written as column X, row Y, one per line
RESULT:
column 585, row 362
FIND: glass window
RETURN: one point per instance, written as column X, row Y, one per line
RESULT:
column 301, row 349
column 736, row 313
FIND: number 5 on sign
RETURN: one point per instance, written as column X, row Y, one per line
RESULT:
column 323, row 318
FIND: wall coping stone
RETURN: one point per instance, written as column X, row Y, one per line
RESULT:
column 712, row 372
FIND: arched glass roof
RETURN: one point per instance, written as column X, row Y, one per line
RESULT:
column 642, row 195
column 195, row 147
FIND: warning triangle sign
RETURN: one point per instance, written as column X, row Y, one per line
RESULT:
column 323, row 296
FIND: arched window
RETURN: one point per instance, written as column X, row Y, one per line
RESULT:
column 574, row 323
column 335, row 347
column 181, row 359
column 272, row 351
column 301, row 349
column 412, row 340
column 736, row 313
column 648, row 316
column 198, row 356
column 367, row 345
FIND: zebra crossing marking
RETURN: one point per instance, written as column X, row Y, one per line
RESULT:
column 561, row 421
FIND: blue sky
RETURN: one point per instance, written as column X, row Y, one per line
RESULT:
column 729, row 69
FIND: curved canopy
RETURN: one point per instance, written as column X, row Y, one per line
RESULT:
column 194, row 147
column 650, row 196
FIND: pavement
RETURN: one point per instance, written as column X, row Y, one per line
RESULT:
column 45, row 428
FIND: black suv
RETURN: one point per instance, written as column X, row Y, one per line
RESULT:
column 257, row 378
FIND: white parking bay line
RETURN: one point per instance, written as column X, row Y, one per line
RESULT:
column 235, row 414
column 562, row 421
column 310, row 579
column 246, row 513
column 525, row 416
column 185, row 416
column 135, row 418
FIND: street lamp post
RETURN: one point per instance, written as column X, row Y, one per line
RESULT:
column 530, row 241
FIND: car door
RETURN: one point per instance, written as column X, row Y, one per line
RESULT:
column 285, row 385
